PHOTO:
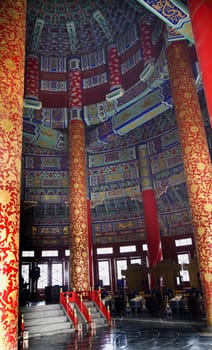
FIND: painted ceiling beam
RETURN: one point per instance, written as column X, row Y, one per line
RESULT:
column 38, row 28
column 172, row 12
column 71, row 29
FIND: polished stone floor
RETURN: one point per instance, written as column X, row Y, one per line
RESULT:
column 131, row 334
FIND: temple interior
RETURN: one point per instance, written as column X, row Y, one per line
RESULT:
column 106, row 192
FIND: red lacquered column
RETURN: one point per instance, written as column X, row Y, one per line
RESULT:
column 75, row 92
column 79, row 241
column 201, row 14
column 146, row 42
column 114, row 68
column 12, row 38
column 90, row 242
column 150, row 210
column 197, row 162
column 32, row 78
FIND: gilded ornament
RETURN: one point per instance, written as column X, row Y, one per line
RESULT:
column 208, row 207
column 85, row 285
column 201, row 166
column 4, row 197
column 194, row 129
column 187, row 149
column 4, row 283
column 208, row 277
column 188, row 95
column 6, row 125
column 182, row 113
column 182, row 64
column 78, row 269
column 77, row 240
column 9, row 64
column 13, row 13
column 201, row 230
column 3, row 234
column 11, row 256
column 84, row 254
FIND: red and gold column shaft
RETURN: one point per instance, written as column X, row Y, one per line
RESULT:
column 32, row 78
column 12, row 38
column 90, row 242
column 196, row 158
column 150, row 209
column 79, row 243
column 200, row 15
column 75, row 85
column 114, row 68
column 79, row 240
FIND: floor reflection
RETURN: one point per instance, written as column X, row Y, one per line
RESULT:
column 128, row 335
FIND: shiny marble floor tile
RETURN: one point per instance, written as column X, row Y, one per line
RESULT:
column 130, row 335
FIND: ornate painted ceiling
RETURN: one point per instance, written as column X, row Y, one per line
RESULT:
column 57, row 31
column 78, row 27
column 60, row 30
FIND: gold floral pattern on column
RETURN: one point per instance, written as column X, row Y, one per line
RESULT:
column 79, row 244
column 197, row 162
column 12, row 51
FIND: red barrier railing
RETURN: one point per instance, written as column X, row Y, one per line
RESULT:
column 78, row 298
column 96, row 298
column 82, row 306
column 65, row 299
